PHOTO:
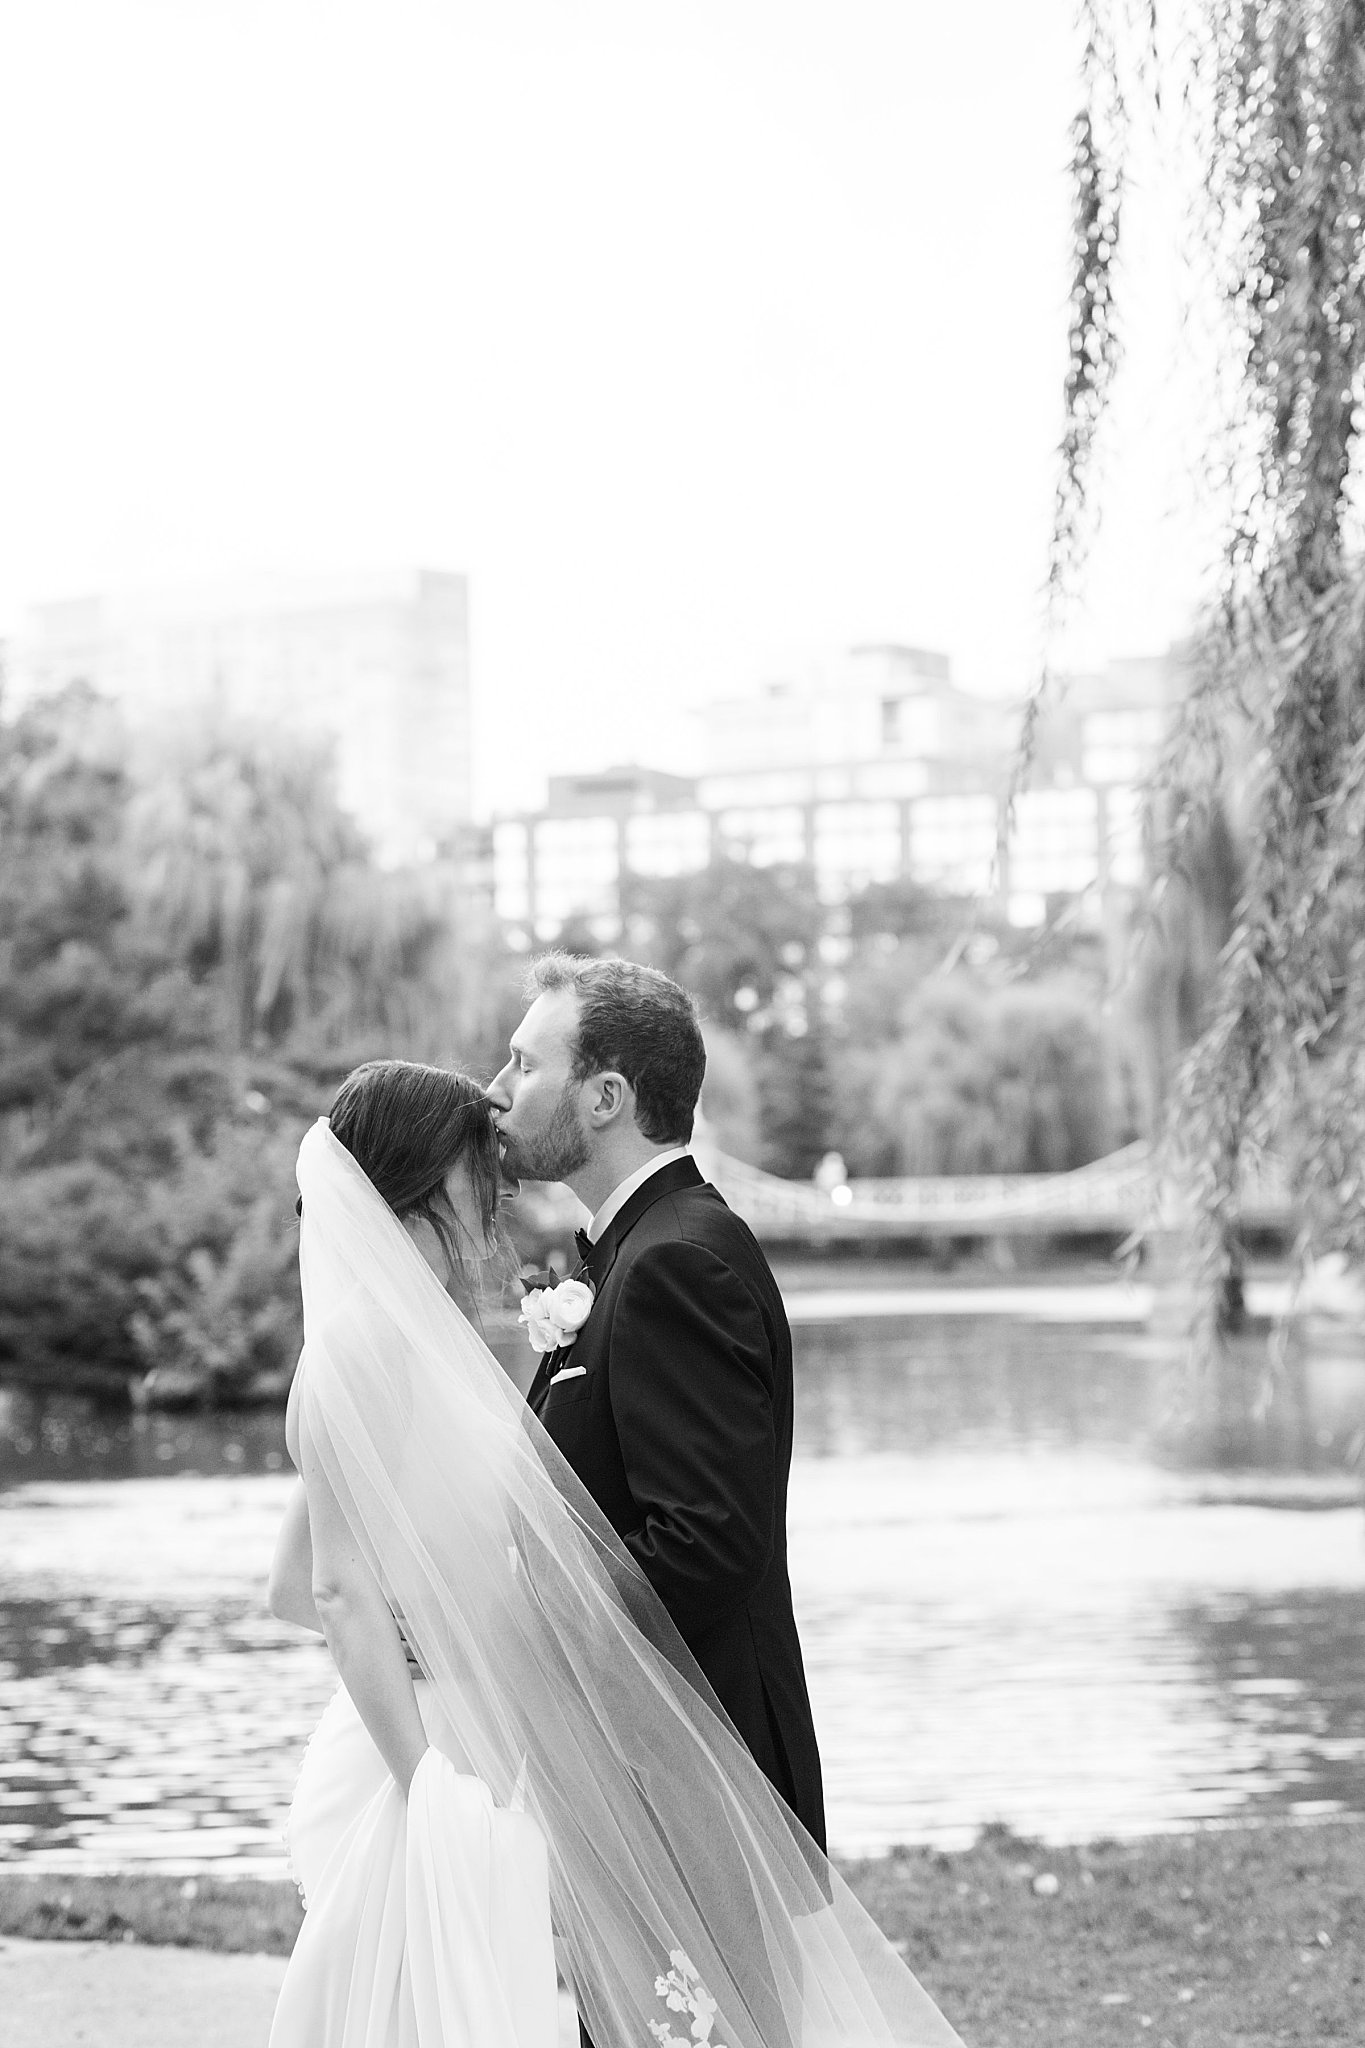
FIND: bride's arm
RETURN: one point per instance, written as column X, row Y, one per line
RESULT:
column 361, row 1632
column 290, row 1594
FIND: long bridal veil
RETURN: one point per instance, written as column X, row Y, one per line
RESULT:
column 689, row 1904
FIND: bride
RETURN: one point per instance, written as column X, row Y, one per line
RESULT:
column 522, row 1756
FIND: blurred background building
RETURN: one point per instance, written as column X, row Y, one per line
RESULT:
column 376, row 668
column 869, row 766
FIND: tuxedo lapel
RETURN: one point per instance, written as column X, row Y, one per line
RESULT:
column 669, row 1180
column 540, row 1382
column 672, row 1179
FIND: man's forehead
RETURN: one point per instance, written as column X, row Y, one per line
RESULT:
column 549, row 1023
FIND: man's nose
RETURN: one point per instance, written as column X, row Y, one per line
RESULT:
column 498, row 1092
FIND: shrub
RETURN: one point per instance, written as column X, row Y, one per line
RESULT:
column 221, row 1311
column 190, row 1275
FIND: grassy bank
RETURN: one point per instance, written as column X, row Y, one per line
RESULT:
column 244, row 1915
column 1247, row 1939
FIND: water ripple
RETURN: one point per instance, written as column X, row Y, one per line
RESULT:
column 1008, row 1613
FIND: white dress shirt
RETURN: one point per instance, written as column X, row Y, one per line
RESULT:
column 621, row 1194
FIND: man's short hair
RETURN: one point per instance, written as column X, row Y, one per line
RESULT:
column 632, row 1020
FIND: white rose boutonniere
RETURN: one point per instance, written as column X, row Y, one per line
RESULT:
column 554, row 1315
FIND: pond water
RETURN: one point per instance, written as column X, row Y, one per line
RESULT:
column 1010, row 1611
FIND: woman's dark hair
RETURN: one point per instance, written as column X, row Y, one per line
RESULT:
column 406, row 1126
column 633, row 1020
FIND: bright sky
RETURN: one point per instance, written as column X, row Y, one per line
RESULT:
column 698, row 332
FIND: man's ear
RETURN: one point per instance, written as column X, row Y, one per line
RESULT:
column 611, row 1094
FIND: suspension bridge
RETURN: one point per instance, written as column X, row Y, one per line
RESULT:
column 1113, row 1197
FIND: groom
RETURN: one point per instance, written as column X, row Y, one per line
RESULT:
column 674, row 1403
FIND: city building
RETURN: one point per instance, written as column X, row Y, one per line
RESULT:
column 377, row 668
column 1078, row 826
column 569, row 859
column 867, row 767
column 866, row 704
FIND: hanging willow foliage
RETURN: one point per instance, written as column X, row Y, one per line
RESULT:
column 1273, row 94
column 1097, row 177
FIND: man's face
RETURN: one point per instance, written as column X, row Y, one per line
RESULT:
column 536, row 1101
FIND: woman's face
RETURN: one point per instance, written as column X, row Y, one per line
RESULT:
column 463, row 1199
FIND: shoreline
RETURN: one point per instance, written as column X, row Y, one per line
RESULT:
column 1081, row 1293
column 813, row 1297
column 1248, row 1935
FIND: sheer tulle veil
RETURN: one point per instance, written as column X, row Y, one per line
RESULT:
column 689, row 1904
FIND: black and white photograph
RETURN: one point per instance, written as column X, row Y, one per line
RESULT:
column 682, row 1024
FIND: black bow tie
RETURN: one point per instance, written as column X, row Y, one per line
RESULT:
column 584, row 1243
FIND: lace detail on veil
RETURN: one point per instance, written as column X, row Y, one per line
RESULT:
column 683, row 1991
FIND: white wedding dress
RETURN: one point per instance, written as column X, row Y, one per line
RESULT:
column 581, row 1774
column 427, row 1921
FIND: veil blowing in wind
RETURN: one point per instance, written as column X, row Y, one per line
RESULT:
column 689, row 1904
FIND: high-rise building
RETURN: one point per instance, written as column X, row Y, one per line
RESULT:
column 866, row 764
column 866, row 767
column 375, row 667
column 880, row 703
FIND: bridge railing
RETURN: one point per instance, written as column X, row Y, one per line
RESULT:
column 1114, row 1194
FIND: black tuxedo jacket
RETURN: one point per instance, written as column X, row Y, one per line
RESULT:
column 676, row 1414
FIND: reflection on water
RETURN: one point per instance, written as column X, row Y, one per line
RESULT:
column 63, row 1437
column 151, row 1711
column 177, row 1740
column 916, row 1386
column 1009, row 1612
column 995, row 1382
column 1025, row 1638
column 1257, row 1654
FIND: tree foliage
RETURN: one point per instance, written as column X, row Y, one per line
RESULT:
column 739, row 936
column 975, row 1078
column 194, row 948
column 796, row 1100
column 907, row 1050
column 245, row 865
column 1274, row 93
column 103, row 1034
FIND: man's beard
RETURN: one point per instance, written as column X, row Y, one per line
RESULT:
column 554, row 1153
